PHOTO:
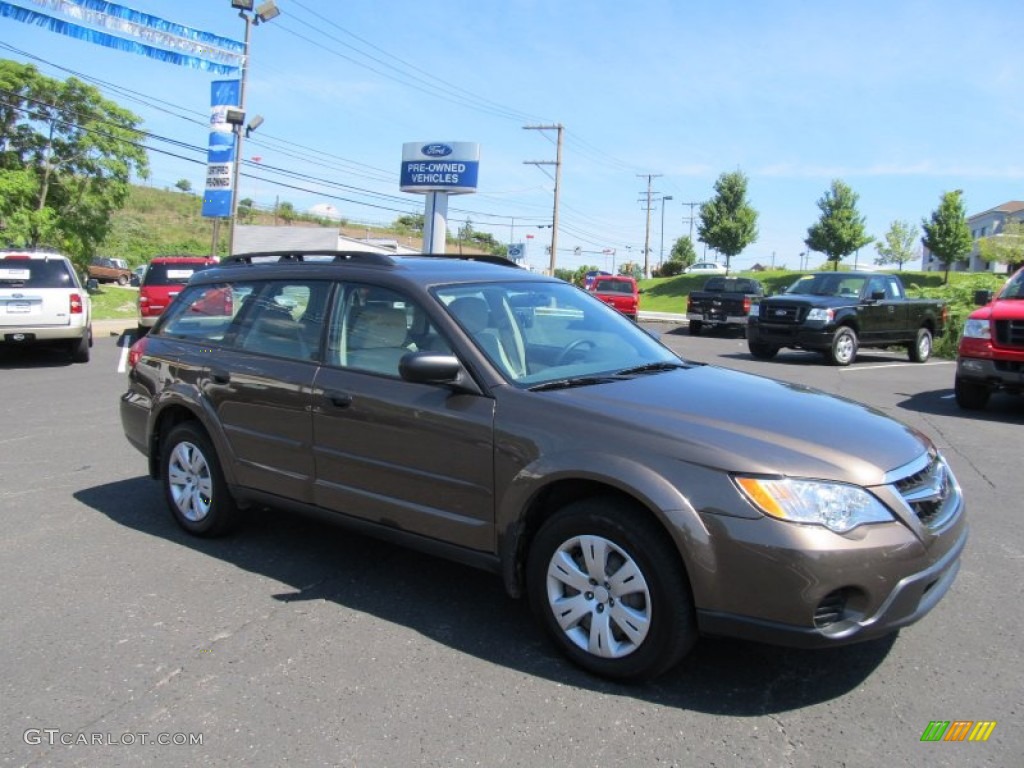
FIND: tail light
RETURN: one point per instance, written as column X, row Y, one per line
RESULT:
column 137, row 350
column 75, row 304
column 746, row 305
column 689, row 304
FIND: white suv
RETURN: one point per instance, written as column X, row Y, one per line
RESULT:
column 42, row 301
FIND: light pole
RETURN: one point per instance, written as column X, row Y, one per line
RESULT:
column 265, row 12
column 661, row 251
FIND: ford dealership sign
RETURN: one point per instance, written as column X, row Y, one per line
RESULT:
column 440, row 166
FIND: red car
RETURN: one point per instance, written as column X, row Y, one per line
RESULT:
column 990, row 357
column 164, row 279
column 618, row 291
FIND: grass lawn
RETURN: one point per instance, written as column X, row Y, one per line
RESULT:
column 111, row 302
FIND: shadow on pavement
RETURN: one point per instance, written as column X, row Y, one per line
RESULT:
column 469, row 612
column 1002, row 407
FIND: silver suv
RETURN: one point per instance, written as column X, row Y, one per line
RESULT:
column 42, row 301
column 515, row 422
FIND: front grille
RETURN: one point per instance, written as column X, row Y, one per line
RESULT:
column 782, row 313
column 932, row 493
column 1010, row 333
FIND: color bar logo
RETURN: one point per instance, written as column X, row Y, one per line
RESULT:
column 958, row 730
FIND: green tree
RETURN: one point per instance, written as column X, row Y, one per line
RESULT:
column 683, row 252
column 287, row 212
column 184, row 185
column 840, row 229
column 414, row 222
column 727, row 222
column 1005, row 246
column 946, row 234
column 246, row 210
column 898, row 246
column 67, row 156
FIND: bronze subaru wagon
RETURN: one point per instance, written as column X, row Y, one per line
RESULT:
column 512, row 421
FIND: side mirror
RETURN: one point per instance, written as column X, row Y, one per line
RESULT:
column 981, row 298
column 430, row 368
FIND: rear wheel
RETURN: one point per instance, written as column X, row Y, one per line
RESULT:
column 844, row 346
column 122, row 280
column 762, row 351
column 695, row 327
column 610, row 590
column 921, row 349
column 194, row 485
column 970, row 395
column 80, row 347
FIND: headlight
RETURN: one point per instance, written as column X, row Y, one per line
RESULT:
column 836, row 506
column 818, row 313
column 977, row 329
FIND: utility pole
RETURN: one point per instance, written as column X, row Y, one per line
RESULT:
column 690, row 219
column 647, row 233
column 558, row 183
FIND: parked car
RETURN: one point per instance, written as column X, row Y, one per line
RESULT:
column 107, row 270
column 42, row 301
column 591, row 276
column 705, row 268
column 724, row 302
column 837, row 313
column 508, row 420
column 619, row 291
column 161, row 282
column 990, row 357
column 137, row 274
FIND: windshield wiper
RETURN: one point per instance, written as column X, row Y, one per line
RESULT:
column 576, row 381
column 652, row 368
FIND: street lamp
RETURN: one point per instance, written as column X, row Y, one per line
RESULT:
column 265, row 12
column 661, row 254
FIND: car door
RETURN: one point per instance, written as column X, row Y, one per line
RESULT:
column 416, row 457
column 260, row 376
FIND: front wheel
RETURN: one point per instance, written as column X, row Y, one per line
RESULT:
column 762, row 351
column 921, row 348
column 122, row 280
column 194, row 485
column 844, row 347
column 610, row 590
column 970, row 395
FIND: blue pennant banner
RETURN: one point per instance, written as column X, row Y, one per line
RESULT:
column 191, row 48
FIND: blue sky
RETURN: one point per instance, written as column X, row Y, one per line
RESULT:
column 903, row 101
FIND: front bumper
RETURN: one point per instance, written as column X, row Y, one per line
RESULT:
column 995, row 374
column 790, row 335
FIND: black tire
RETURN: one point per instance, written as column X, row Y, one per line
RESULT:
column 695, row 327
column 971, row 395
column 844, row 346
column 649, row 624
column 140, row 331
column 194, row 486
column 762, row 351
column 122, row 280
column 921, row 349
column 80, row 347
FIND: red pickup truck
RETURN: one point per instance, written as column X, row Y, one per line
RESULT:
column 619, row 291
column 991, row 352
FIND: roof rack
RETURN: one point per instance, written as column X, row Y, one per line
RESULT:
column 302, row 256
column 485, row 257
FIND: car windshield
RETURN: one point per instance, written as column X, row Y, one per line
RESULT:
column 1014, row 289
column 538, row 333
column 35, row 273
column 836, row 284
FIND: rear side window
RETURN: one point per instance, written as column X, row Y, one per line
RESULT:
column 171, row 274
column 614, row 286
column 36, row 273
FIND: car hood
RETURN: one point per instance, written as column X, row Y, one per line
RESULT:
column 740, row 422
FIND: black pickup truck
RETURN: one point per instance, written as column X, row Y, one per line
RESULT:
column 724, row 303
column 835, row 313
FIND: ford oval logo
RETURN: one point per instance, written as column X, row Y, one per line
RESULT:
column 436, row 150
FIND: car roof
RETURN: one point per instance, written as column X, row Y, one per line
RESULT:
column 422, row 269
column 32, row 255
column 183, row 260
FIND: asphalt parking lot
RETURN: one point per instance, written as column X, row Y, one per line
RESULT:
column 293, row 642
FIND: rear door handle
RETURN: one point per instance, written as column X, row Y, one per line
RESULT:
column 220, row 376
column 339, row 399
